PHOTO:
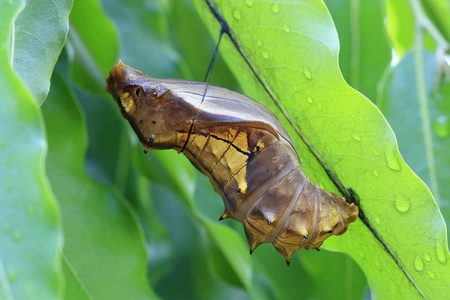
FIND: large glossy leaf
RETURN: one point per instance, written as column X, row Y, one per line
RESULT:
column 365, row 51
column 400, row 25
column 228, row 256
column 401, row 22
column 144, row 32
column 421, row 122
column 104, row 246
column 30, row 237
column 40, row 33
column 292, row 48
column 438, row 12
column 92, row 45
column 341, row 275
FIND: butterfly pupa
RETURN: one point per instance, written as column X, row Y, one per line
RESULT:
column 243, row 149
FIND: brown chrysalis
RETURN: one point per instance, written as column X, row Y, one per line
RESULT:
column 243, row 149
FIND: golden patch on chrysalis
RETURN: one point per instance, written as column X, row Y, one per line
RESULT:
column 242, row 148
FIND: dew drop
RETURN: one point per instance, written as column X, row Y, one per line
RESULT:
column 319, row 106
column 249, row 3
column 17, row 236
column 402, row 204
column 307, row 73
column 258, row 43
column 6, row 229
column 432, row 275
column 310, row 99
column 440, row 254
column 12, row 276
column 442, row 127
column 427, row 257
column 356, row 136
column 375, row 173
column 275, row 8
column 31, row 211
column 265, row 54
column 375, row 152
column 377, row 220
column 237, row 14
column 286, row 28
column 418, row 263
column 392, row 159
column 295, row 89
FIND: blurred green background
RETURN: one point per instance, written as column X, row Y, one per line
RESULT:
column 84, row 214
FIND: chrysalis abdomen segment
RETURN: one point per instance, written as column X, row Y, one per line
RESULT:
column 264, row 187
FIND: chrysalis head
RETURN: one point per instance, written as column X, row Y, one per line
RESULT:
column 159, row 117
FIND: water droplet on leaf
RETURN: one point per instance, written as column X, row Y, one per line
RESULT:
column 310, row 99
column 12, row 276
column 392, row 159
column 375, row 173
column 249, row 3
column 442, row 127
column 418, row 263
column 307, row 72
column 275, row 8
column 237, row 14
column 356, row 136
column 265, row 54
column 6, row 229
column 286, row 28
column 17, row 236
column 30, row 211
column 440, row 254
column 402, row 204
column 432, row 275
column 427, row 257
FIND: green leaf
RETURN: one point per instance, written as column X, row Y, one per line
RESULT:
column 92, row 45
column 144, row 31
column 400, row 25
column 347, row 133
column 365, row 51
column 229, row 255
column 341, row 276
column 170, row 169
column 30, row 236
column 422, row 125
column 104, row 243
column 40, row 33
column 438, row 12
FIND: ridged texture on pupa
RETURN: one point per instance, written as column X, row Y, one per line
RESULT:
column 244, row 150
